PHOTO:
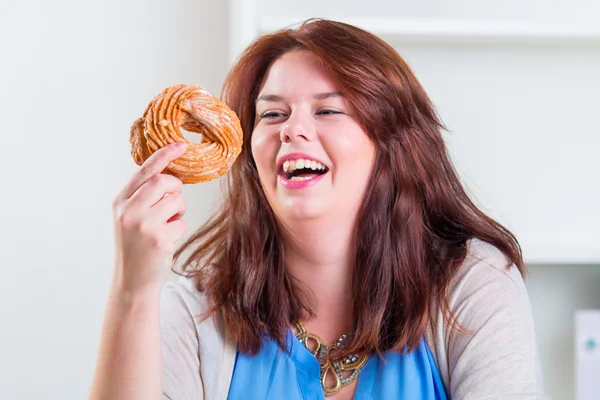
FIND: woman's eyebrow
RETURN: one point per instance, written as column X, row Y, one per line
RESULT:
column 318, row 96
column 269, row 97
column 323, row 96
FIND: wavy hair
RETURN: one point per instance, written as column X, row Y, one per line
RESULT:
column 411, row 233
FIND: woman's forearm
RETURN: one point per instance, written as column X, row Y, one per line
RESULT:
column 129, row 357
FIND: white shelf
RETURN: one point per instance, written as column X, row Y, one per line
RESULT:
column 545, row 255
column 456, row 30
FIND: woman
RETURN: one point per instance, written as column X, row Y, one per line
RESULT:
column 345, row 232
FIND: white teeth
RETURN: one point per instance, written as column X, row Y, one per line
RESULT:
column 300, row 178
column 291, row 165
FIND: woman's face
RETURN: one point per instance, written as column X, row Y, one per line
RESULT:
column 313, row 158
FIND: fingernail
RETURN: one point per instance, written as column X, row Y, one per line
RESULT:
column 180, row 145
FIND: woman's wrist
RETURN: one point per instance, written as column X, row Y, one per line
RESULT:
column 135, row 298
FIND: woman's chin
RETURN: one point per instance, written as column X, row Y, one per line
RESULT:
column 302, row 210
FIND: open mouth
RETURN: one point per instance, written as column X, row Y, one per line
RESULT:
column 302, row 170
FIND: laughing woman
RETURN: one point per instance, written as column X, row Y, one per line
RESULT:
column 346, row 261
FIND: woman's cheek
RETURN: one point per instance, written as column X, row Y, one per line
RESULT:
column 259, row 146
column 264, row 151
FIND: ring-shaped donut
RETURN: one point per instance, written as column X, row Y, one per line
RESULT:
column 194, row 109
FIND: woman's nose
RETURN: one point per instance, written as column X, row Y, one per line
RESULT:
column 296, row 129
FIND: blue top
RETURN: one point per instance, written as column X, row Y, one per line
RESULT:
column 275, row 374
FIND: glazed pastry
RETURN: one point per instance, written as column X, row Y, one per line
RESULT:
column 194, row 109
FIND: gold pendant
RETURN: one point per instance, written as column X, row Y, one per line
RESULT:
column 325, row 371
column 336, row 368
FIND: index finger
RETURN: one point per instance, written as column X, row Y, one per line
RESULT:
column 153, row 165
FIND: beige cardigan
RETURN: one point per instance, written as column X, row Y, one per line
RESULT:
column 499, row 361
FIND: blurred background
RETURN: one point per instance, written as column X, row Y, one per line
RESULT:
column 516, row 82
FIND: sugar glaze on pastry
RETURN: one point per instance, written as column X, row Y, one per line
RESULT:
column 194, row 109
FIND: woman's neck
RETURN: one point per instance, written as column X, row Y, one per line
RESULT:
column 317, row 254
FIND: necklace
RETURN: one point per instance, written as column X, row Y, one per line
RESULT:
column 350, row 364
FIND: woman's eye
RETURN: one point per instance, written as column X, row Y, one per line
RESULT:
column 275, row 114
column 270, row 114
column 328, row 112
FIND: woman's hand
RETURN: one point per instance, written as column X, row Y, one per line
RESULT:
column 147, row 222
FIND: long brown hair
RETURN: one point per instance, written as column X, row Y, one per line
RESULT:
column 412, row 229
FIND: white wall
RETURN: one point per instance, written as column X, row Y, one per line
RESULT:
column 73, row 77
column 524, row 137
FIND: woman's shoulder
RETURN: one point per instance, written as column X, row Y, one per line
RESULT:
column 196, row 352
column 485, row 264
column 485, row 276
column 496, row 340
column 182, row 291
column 183, row 307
